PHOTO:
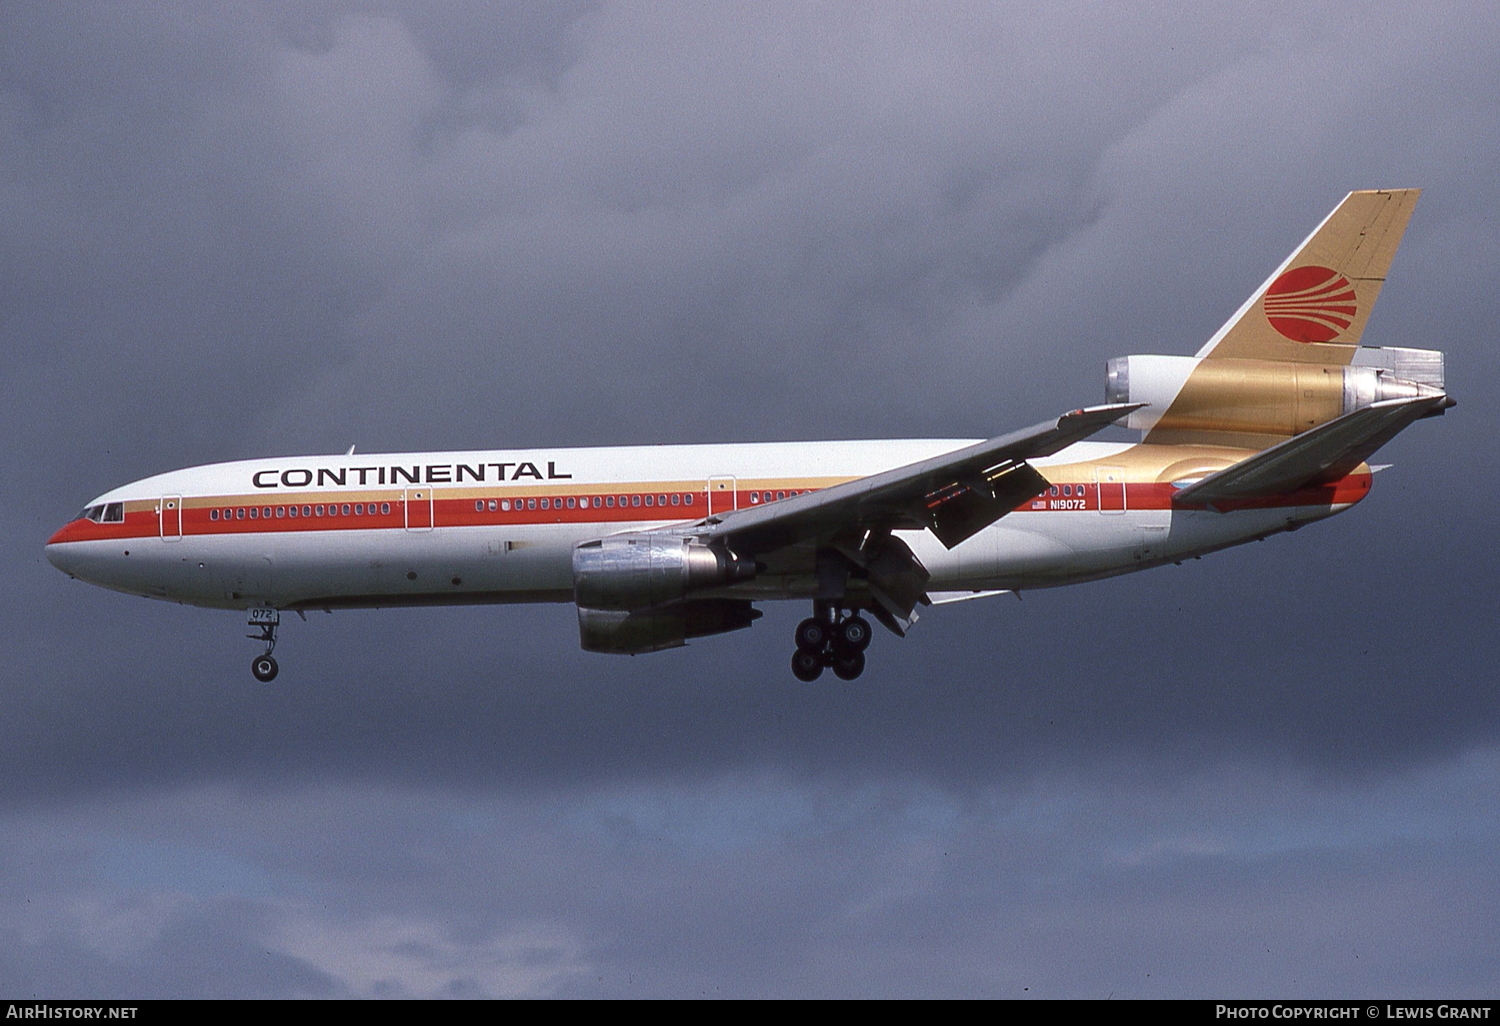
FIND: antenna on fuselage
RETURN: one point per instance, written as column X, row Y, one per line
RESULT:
column 350, row 452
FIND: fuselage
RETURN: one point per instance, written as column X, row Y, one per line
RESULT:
column 318, row 532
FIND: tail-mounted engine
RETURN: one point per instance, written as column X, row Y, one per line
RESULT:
column 1193, row 399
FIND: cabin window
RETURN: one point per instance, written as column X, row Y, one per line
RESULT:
column 318, row 510
column 385, row 507
column 213, row 514
column 650, row 499
column 572, row 502
column 345, row 510
column 687, row 500
column 291, row 511
column 280, row 512
column 677, row 499
column 254, row 512
column 478, row 505
column 493, row 505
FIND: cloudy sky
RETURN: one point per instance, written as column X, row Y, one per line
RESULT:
column 245, row 229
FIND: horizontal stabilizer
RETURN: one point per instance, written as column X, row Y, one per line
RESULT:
column 1326, row 453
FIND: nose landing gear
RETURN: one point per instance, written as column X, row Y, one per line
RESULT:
column 266, row 621
column 829, row 639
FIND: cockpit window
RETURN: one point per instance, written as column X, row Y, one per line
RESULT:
column 104, row 513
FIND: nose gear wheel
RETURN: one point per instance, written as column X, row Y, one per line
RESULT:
column 263, row 666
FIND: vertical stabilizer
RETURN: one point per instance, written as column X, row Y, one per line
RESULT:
column 1314, row 307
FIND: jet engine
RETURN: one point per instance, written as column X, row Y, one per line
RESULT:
column 1264, row 397
column 639, row 571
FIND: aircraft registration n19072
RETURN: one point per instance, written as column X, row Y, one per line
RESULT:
column 1266, row 429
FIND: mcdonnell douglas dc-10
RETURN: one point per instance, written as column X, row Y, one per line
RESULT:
column 1266, row 429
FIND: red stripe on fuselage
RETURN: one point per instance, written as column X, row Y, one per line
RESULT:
column 456, row 512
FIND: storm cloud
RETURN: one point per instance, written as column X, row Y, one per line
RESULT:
column 258, row 229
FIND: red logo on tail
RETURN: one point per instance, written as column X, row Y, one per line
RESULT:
column 1310, row 304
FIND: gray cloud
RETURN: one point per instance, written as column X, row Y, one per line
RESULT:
column 269, row 228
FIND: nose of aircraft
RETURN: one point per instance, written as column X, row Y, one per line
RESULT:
column 59, row 553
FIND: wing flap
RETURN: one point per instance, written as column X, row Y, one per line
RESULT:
column 1325, row 453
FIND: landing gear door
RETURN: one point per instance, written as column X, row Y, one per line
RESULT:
column 169, row 517
column 417, row 502
column 1109, row 483
column 721, row 495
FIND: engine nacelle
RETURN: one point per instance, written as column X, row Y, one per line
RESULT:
column 1264, row 397
column 640, row 571
column 651, row 630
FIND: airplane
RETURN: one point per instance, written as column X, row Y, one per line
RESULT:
column 1266, row 429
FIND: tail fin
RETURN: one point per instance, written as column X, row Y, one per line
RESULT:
column 1314, row 307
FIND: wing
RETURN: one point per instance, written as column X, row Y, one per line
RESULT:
column 1326, row 453
column 955, row 495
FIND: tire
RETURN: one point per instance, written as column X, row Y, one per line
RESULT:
column 812, row 635
column 807, row 666
column 850, row 666
column 854, row 634
column 264, row 668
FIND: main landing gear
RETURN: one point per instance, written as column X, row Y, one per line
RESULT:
column 829, row 639
column 266, row 621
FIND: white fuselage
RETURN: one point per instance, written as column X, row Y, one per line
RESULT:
column 500, row 526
